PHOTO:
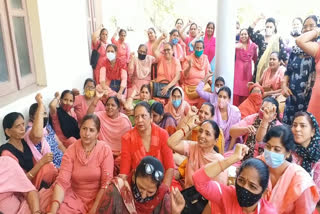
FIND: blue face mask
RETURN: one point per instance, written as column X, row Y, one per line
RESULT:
column 176, row 103
column 198, row 53
column 174, row 41
column 273, row 159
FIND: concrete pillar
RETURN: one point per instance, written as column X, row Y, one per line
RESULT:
column 225, row 40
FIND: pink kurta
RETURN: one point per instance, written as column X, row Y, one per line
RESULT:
column 102, row 52
column 80, row 107
column 81, row 177
column 167, row 70
column 13, row 183
column 273, row 82
column 112, row 130
column 149, row 46
column 123, row 50
column 314, row 104
column 243, row 69
column 140, row 74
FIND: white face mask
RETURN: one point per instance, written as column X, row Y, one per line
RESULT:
column 111, row 56
column 216, row 89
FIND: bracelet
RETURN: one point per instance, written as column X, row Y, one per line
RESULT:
column 29, row 173
column 220, row 166
column 189, row 127
column 56, row 202
column 184, row 133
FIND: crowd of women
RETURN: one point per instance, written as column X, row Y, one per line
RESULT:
column 153, row 128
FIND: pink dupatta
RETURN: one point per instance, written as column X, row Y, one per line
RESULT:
column 209, row 46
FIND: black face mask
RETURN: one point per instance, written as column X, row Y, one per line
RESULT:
column 45, row 121
column 137, row 195
column 295, row 33
column 245, row 197
column 141, row 56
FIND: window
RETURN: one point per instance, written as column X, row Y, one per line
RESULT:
column 16, row 56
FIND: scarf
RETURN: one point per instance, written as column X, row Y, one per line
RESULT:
column 253, row 103
column 180, row 111
column 68, row 124
column 209, row 46
column 311, row 154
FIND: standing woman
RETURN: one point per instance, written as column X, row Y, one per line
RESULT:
column 299, row 77
column 179, row 51
column 123, row 47
column 152, row 37
column 87, row 167
column 63, row 118
column 99, row 43
column 188, row 39
column 210, row 45
column 246, row 52
column 307, row 43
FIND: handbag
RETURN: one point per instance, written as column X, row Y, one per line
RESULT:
column 191, row 92
column 156, row 88
column 95, row 57
column 195, row 202
column 115, row 85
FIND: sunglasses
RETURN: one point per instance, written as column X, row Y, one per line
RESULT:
column 157, row 175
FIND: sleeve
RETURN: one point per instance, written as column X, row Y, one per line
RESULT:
column 100, row 106
column 305, row 203
column 128, row 52
column 65, row 172
column 124, row 77
column 316, row 174
column 178, row 66
column 255, row 53
column 94, row 46
column 166, row 152
column 290, row 65
column 247, row 121
column 317, row 57
column 283, row 55
column 203, row 94
column 125, row 164
column 186, row 147
column 207, row 67
column 256, row 37
column 114, row 41
column 107, row 167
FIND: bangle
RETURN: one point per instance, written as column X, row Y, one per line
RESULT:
column 184, row 133
column 56, row 202
column 189, row 127
column 29, row 173
column 220, row 166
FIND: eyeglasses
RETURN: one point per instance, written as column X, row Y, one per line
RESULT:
column 149, row 169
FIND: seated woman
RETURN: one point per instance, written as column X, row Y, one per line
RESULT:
column 226, row 115
column 87, row 167
column 145, row 139
column 255, row 126
column 99, row 43
column 49, row 141
column 195, row 68
column 290, row 189
column 113, row 75
column 142, row 192
column 63, row 119
column 139, row 70
column 114, row 125
column 17, row 194
column 164, row 120
column 246, row 196
column 272, row 76
column 252, row 104
column 123, row 47
column 177, row 106
column 41, row 172
column 82, row 102
column 211, row 97
column 306, row 135
column 169, row 67
column 144, row 95
column 200, row 152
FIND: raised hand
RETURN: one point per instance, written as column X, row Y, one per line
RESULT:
column 193, row 122
column 39, row 98
column 269, row 113
column 208, row 77
column 163, row 36
column 240, row 151
column 99, row 91
column 57, row 95
column 251, row 130
column 192, row 111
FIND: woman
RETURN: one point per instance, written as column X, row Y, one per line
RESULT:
column 152, row 36
column 179, row 51
column 145, row 139
column 255, row 126
column 246, row 196
column 99, row 43
column 63, row 119
column 143, row 192
column 307, row 43
column 114, row 125
column 179, row 24
column 113, row 75
column 252, row 104
column 273, row 76
column 162, row 119
column 212, row 95
column 306, row 135
column 246, row 53
column 226, row 115
column 123, row 47
column 87, row 167
column 144, row 95
column 290, row 188
column 39, row 169
column 188, row 39
column 177, row 106
column 200, row 152
column 49, row 141
column 17, row 194
column 267, row 44
column 169, row 67
column 299, row 77
column 210, row 44
column 139, row 69
column 195, row 68
column 82, row 102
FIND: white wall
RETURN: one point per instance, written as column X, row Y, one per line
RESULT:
column 64, row 39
